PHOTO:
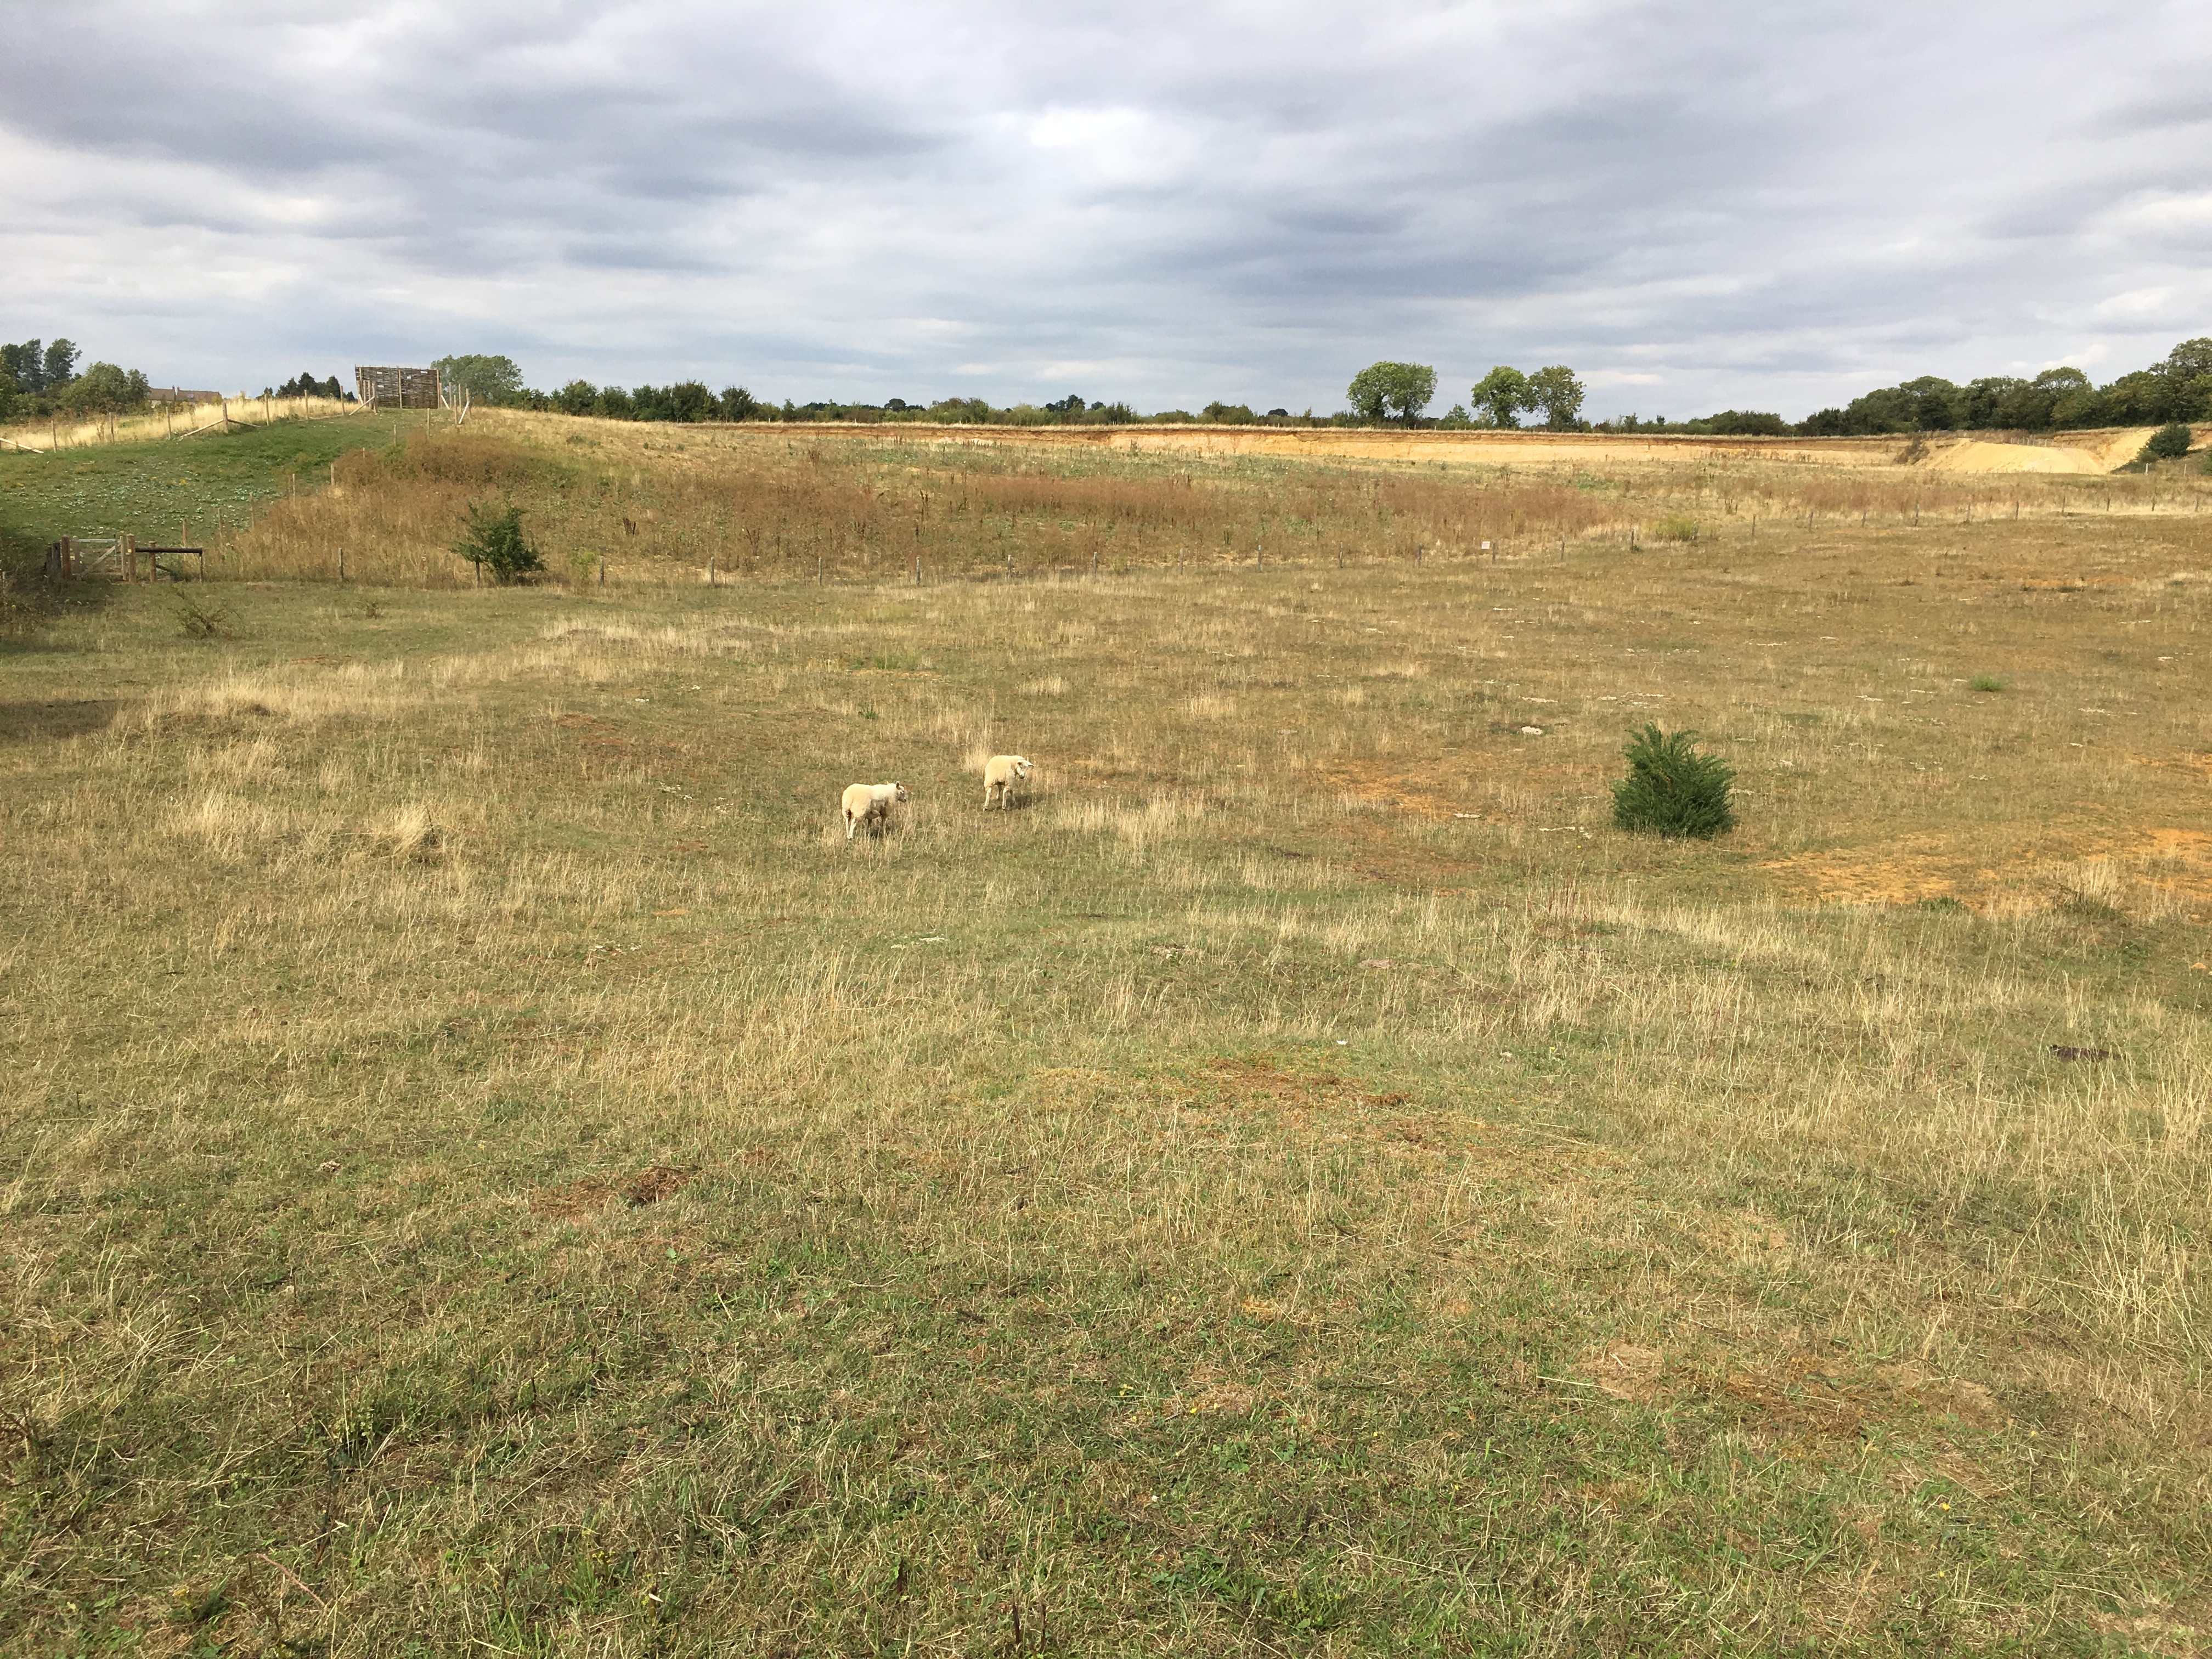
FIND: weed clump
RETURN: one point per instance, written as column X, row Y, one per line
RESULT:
column 1985, row 682
column 1672, row 789
column 196, row 621
column 1675, row 527
column 493, row 537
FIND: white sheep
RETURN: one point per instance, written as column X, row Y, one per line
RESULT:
column 871, row 803
column 1000, row 773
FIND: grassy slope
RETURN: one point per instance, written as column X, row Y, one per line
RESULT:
column 147, row 490
column 489, row 1164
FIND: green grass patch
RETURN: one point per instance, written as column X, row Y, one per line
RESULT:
column 155, row 489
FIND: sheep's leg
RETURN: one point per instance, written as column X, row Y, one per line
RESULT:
column 850, row 821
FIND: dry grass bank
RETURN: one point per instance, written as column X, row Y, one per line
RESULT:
column 658, row 503
column 184, row 422
column 490, row 1166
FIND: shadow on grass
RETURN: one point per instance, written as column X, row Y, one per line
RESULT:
column 26, row 722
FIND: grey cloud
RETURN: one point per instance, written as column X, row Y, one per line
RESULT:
column 1769, row 205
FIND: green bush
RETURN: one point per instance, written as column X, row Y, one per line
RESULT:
column 1985, row 682
column 1671, row 788
column 2168, row 443
column 1675, row 527
column 493, row 536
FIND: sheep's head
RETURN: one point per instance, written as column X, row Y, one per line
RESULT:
column 1024, row 768
column 900, row 792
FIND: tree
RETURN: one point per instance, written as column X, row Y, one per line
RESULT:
column 2168, row 443
column 2135, row 399
column 26, row 365
column 1558, row 394
column 1380, row 388
column 577, row 398
column 2187, row 372
column 1747, row 423
column 738, row 405
column 104, row 389
column 486, row 379
column 2073, row 399
column 60, row 366
column 1501, row 395
column 1673, row 788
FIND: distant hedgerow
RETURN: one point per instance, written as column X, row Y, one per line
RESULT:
column 493, row 536
column 1671, row 788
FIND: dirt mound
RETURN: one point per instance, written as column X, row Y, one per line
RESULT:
column 2070, row 452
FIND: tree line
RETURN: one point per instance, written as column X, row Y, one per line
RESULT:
column 2179, row 389
column 39, row 378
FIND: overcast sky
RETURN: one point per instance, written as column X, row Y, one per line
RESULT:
column 1696, row 206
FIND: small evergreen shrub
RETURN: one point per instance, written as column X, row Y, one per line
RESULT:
column 493, row 537
column 1672, row 789
column 2168, row 443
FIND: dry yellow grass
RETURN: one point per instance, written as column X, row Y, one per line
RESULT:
column 625, row 503
column 182, row 422
column 490, row 1165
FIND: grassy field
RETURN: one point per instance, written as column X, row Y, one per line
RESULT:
column 492, row 1169
column 195, row 488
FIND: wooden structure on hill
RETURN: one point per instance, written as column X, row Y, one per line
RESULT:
column 399, row 388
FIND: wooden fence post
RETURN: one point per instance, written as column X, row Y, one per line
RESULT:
column 130, row 558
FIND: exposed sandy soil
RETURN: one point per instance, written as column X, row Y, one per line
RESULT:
column 2067, row 452
column 2171, row 868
